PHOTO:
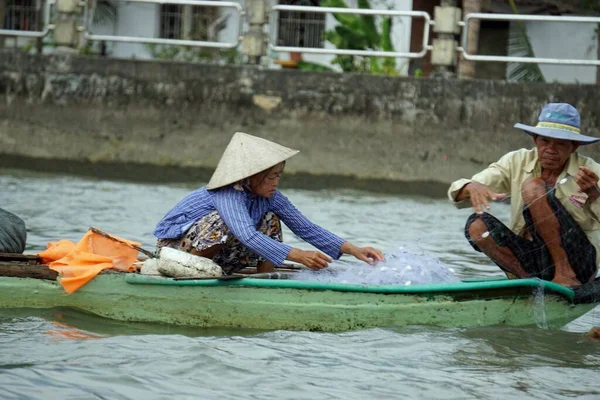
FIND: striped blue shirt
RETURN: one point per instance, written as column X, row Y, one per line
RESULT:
column 242, row 213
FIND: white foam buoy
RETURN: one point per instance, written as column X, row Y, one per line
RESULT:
column 150, row 267
column 176, row 263
column 485, row 234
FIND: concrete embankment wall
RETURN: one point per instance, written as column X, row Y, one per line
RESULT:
column 171, row 121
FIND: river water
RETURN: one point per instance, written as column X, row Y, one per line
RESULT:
column 62, row 354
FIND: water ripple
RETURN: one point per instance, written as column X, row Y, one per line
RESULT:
column 63, row 354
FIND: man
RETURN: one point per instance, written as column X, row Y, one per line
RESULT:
column 555, row 212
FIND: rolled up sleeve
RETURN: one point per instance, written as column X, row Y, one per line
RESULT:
column 496, row 177
column 456, row 187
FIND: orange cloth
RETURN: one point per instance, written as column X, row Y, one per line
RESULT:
column 79, row 263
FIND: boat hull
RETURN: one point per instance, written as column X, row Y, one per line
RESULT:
column 295, row 305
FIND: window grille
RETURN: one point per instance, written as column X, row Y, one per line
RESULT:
column 301, row 29
column 173, row 20
column 171, row 16
column 23, row 15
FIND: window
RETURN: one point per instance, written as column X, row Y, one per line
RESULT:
column 301, row 29
column 186, row 22
column 23, row 15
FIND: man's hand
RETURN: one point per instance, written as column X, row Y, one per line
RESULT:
column 480, row 196
column 312, row 259
column 588, row 182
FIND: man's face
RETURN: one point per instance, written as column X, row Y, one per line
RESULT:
column 554, row 153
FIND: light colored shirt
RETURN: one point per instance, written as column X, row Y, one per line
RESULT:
column 508, row 174
column 242, row 213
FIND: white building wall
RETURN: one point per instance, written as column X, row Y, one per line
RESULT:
column 228, row 34
column 565, row 40
column 133, row 19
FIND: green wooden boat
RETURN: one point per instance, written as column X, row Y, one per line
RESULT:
column 301, row 305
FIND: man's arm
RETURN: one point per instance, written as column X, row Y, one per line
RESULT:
column 493, row 183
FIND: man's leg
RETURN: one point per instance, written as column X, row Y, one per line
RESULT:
column 490, row 236
column 547, row 227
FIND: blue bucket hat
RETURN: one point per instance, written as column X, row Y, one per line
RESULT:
column 559, row 121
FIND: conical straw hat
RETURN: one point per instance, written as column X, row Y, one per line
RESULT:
column 245, row 156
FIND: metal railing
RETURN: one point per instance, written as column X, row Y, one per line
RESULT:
column 239, row 13
column 273, row 30
column 33, row 34
column 87, row 28
column 512, row 17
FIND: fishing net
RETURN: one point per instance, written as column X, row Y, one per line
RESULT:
column 588, row 293
column 13, row 233
column 533, row 254
column 407, row 265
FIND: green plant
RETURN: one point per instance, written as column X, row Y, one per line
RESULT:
column 312, row 66
column 360, row 32
column 519, row 45
column 195, row 54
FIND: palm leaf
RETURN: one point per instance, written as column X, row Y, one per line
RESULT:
column 350, row 20
column 105, row 12
column 368, row 25
column 355, row 40
column 519, row 45
column 389, row 63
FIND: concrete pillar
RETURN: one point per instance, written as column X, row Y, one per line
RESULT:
column 443, row 55
column 254, row 44
column 466, row 68
column 66, row 22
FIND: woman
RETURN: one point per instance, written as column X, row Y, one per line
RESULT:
column 235, row 219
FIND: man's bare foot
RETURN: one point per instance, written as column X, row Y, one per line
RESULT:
column 566, row 281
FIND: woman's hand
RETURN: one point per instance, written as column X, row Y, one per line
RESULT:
column 312, row 259
column 367, row 254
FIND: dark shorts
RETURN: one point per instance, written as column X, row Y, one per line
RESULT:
column 533, row 254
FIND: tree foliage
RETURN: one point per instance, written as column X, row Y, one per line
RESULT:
column 519, row 45
column 360, row 32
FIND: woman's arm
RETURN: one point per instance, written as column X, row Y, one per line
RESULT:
column 319, row 237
